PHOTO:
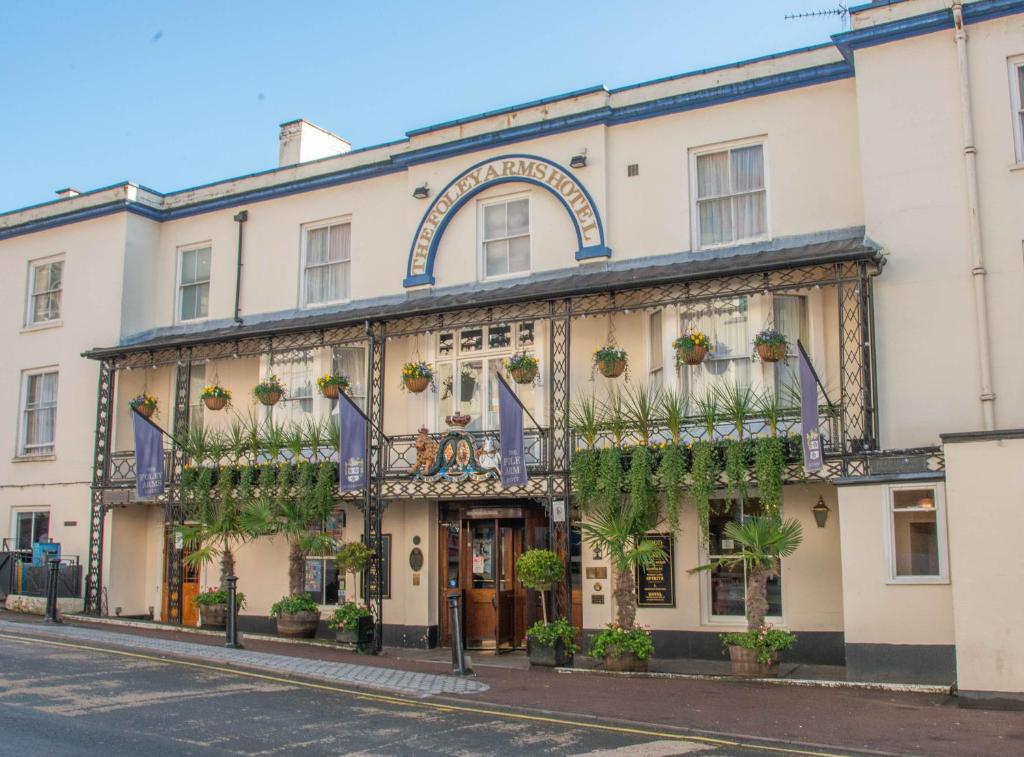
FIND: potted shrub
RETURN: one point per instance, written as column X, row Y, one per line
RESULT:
column 144, row 404
column 216, row 397
column 298, row 616
column 621, row 649
column 761, row 541
column 213, row 607
column 416, row 377
column 611, row 361
column 353, row 626
column 692, row 347
column 771, row 345
column 522, row 366
column 269, row 391
column 756, row 653
column 333, row 384
column 352, row 557
column 541, row 570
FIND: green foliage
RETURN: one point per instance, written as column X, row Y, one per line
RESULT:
column 584, row 472
column 218, row 597
column 762, row 541
column 766, row 640
column 736, row 460
column 585, row 416
column 642, row 404
column 769, row 465
column 269, row 385
column 769, row 406
column 539, row 569
column 316, row 432
column 613, row 413
column 736, row 403
column 640, row 480
column 610, row 354
column 347, row 616
column 609, row 477
column 704, row 475
column 304, row 484
column 196, row 445
column 613, row 641
column 323, row 492
column 672, row 479
column 674, row 406
column 706, row 404
column 549, row 634
column 293, row 604
column 353, row 557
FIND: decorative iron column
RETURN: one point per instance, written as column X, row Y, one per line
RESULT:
column 858, row 427
column 100, row 478
column 373, row 510
column 173, row 512
column 559, row 449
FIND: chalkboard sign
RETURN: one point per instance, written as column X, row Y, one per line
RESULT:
column 654, row 585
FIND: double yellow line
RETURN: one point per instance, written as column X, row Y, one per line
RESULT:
column 424, row 704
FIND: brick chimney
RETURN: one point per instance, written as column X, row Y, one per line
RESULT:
column 301, row 141
column 67, row 193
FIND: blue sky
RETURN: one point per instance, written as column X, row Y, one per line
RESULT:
column 174, row 94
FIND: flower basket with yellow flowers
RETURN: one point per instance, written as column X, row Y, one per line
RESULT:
column 144, row 404
column 333, row 384
column 215, row 397
column 692, row 347
column 416, row 377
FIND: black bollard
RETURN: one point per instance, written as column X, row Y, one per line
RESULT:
column 51, row 591
column 232, row 616
column 458, row 658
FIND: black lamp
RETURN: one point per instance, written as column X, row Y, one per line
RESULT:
column 821, row 512
column 421, row 192
column 579, row 161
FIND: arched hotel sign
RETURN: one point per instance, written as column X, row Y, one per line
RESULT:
column 503, row 169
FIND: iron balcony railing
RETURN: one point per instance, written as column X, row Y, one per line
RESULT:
column 402, row 452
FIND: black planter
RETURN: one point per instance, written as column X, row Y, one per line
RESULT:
column 359, row 638
column 545, row 656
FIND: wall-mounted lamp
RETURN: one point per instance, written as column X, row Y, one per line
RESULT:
column 821, row 512
column 579, row 161
column 421, row 192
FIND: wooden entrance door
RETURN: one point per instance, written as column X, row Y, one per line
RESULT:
column 189, row 585
column 480, row 562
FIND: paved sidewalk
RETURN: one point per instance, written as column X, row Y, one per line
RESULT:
column 396, row 681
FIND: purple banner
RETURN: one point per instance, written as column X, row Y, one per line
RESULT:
column 510, row 419
column 809, row 414
column 149, row 458
column 352, row 452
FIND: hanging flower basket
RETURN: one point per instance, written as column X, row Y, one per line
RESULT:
column 269, row 391
column 522, row 366
column 691, row 348
column 416, row 377
column 611, row 361
column 145, row 404
column 332, row 385
column 216, row 397
column 771, row 345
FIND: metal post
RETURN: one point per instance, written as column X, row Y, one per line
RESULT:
column 458, row 658
column 51, row 591
column 232, row 624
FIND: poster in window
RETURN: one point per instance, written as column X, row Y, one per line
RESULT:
column 654, row 584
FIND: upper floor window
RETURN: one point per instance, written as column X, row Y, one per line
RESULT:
column 916, row 521
column 326, row 263
column 727, row 324
column 506, row 237
column 351, row 362
column 730, row 195
column 46, row 282
column 194, row 283
column 655, row 358
column 38, row 412
column 1017, row 94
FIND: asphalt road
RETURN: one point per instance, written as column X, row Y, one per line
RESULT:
column 67, row 701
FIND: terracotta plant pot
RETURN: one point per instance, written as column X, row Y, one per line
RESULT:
column 692, row 355
column 298, row 625
column 744, row 663
column 215, row 403
column 146, row 411
column 416, row 384
column 611, row 368
column 626, row 662
column 524, row 375
column 332, row 391
column 213, row 616
column 269, row 398
column 771, row 353
column 545, row 656
column 359, row 638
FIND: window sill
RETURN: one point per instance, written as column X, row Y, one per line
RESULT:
column 42, row 326
column 505, row 276
column 918, row 581
column 327, row 304
column 731, row 243
column 1017, row 166
column 33, row 458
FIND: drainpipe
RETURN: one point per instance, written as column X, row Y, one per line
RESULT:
column 240, row 217
column 977, row 253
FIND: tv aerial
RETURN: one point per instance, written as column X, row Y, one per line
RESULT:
column 841, row 10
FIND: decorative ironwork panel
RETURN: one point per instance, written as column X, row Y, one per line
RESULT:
column 401, row 457
column 173, row 513
column 374, row 505
column 558, row 386
column 478, row 316
column 856, row 370
column 408, row 488
column 101, row 456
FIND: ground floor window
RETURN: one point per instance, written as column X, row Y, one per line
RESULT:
column 322, row 583
column 915, row 519
column 30, row 527
column 727, row 586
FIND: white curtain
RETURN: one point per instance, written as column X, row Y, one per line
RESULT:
column 790, row 314
column 731, row 195
column 328, row 252
column 40, row 411
column 351, row 361
column 726, row 324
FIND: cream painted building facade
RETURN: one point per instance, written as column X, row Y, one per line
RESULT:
column 862, row 195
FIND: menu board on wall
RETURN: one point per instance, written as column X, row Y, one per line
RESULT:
column 654, row 584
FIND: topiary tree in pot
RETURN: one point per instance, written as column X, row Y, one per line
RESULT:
column 548, row 644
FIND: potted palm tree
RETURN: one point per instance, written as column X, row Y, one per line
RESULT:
column 548, row 644
column 762, row 541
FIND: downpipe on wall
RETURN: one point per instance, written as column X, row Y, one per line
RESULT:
column 988, row 396
column 240, row 217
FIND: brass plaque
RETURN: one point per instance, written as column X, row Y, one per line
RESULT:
column 415, row 579
column 597, row 599
column 599, row 571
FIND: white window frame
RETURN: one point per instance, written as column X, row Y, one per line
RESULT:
column 481, row 240
column 656, row 348
column 1016, row 70
column 178, row 285
column 939, row 495
column 34, row 510
column 29, row 294
column 761, row 140
column 304, row 245
column 22, row 452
